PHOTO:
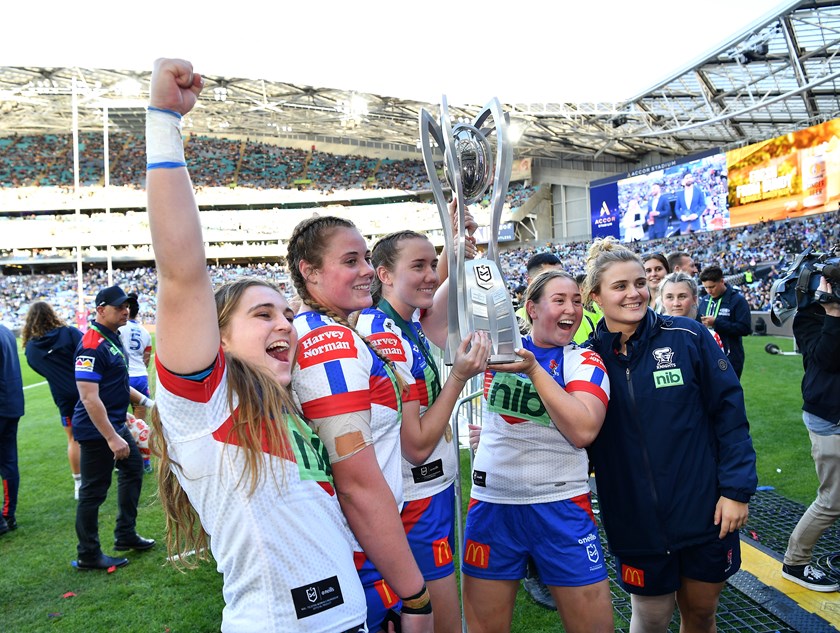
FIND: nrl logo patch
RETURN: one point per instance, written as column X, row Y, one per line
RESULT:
column 484, row 276
column 664, row 357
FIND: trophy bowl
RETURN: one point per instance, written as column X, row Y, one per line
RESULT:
column 472, row 151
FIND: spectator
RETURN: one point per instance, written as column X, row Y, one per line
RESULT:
column 656, row 267
column 682, row 262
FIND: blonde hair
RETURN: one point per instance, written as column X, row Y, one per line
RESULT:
column 603, row 253
column 259, row 427
column 679, row 278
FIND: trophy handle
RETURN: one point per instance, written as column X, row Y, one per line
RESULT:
column 460, row 255
column 504, row 166
column 455, row 305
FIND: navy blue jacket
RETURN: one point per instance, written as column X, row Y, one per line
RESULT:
column 100, row 358
column 675, row 437
column 52, row 355
column 818, row 338
column 11, row 381
column 732, row 322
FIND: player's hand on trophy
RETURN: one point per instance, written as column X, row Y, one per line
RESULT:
column 471, row 356
column 174, row 86
column 470, row 248
column 526, row 364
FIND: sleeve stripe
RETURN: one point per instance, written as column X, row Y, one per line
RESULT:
column 200, row 391
column 588, row 387
column 336, row 404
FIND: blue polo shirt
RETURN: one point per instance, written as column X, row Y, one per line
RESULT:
column 100, row 358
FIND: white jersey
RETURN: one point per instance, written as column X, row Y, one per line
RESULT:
column 522, row 458
column 285, row 551
column 137, row 341
column 336, row 374
column 438, row 471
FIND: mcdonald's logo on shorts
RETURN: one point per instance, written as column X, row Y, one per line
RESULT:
column 632, row 576
column 442, row 552
column 477, row 554
column 386, row 594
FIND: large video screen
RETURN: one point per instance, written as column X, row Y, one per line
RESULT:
column 663, row 200
column 789, row 176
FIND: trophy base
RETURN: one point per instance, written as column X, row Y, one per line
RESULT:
column 501, row 359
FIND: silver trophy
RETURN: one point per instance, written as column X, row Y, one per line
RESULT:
column 478, row 295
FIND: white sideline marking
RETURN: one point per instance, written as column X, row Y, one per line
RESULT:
column 37, row 384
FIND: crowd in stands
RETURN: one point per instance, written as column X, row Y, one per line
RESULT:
column 60, row 289
column 764, row 249
column 47, row 161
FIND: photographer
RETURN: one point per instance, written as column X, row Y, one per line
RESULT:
column 817, row 331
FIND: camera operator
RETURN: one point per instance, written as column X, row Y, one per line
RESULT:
column 817, row 331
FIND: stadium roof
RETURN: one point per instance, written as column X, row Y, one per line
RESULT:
column 780, row 74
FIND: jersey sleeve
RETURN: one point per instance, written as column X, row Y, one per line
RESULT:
column 195, row 406
column 91, row 358
column 586, row 373
column 387, row 338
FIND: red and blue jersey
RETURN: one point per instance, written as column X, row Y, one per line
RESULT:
column 522, row 457
column 438, row 471
column 336, row 373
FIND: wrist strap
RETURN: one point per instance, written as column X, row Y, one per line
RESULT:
column 164, row 145
column 418, row 604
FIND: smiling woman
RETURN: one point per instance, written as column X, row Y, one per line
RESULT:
column 238, row 465
column 353, row 398
column 539, row 415
column 674, row 461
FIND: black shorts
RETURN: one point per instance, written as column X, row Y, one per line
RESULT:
column 713, row 561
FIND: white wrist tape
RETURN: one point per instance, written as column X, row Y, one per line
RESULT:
column 164, row 145
column 147, row 402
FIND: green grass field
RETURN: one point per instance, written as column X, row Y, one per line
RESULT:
column 36, row 577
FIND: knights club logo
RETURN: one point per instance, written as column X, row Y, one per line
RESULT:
column 664, row 357
column 552, row 366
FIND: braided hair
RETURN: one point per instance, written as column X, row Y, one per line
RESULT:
column 308, row 243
